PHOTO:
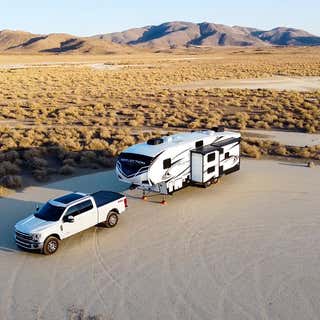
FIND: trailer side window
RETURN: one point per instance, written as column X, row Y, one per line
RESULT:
column 211, row 157
column 166, row 163
column 211, row 169
column 227, row 155
column 199, row 144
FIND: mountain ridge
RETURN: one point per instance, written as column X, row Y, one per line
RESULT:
column 25, row 42
column 184, row 34
column 168, row 35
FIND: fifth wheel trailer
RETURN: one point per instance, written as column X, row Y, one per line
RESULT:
column 169, row 163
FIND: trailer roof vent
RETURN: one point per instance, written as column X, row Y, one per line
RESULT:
column 218, row 129
column 155, row 141
column 167, row 139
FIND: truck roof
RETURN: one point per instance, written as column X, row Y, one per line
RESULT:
column 100, row 197
column 67, row 199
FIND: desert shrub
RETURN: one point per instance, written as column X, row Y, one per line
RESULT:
column 30, row 154
column 88, row 159
column 8, row 168
column 242, row 119
column 12, row 155
column 3, row 191
column 251, row 151
column 11, row 181
column 280, row 150
column 106, row 162
column 262, row 125
column 304, row 153
column 37, row 163
column 105, row 133
column 7, row 143
column 194, row 124
column 70, row 162
column 67, row 170
column 88, row 156
column 41, row 174
column 98, row 144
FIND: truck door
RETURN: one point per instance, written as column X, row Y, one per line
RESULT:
column 85, row 216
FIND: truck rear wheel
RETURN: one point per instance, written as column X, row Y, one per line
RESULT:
column 112, row 219
column 51, row 245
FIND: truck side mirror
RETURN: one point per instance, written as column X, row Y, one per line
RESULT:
column 69, row 219
column 37, row 207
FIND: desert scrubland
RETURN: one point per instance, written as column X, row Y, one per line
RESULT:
column 62, row 114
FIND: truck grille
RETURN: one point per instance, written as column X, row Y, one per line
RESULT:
column 23, row 244
column 23, row 236
column 25, row 240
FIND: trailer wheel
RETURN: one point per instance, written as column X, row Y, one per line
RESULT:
column 112, row 219
column 50, row 246
column 208, row 184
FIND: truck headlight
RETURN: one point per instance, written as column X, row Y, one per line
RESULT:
column 36, row 236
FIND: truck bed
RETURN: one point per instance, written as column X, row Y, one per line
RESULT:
column 103, row 197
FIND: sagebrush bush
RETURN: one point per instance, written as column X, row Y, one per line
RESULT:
column 8, row 168
column 67, row 170
column 11, row 181
column 251, row 151
column 41, row 174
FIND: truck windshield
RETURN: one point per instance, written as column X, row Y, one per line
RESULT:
column 49, row 212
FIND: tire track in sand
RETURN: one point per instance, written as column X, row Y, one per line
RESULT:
column 139, row 306
column 245, row 268
column 51, row 291
column 181, row 289
column 9, row 294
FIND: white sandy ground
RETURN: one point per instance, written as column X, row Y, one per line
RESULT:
column 274, row 83
column 97, row 66
column 247, row 248
column 298, row 139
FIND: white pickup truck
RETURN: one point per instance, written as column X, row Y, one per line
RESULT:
column 67, row 215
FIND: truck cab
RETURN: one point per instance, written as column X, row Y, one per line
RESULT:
column 65, row 216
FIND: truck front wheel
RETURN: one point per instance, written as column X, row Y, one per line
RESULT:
column 51, row 245
column 112, row 219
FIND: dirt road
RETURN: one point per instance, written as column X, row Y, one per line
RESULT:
column 274, row 83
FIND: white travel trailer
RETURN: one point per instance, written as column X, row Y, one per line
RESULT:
column 167, row 164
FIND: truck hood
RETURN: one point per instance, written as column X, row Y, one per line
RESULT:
column 32, row 224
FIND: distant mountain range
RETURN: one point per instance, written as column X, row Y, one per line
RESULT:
column 186, row 34
column 168, row 35
column 25, row 42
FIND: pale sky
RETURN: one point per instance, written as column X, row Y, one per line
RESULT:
column 81, row 17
